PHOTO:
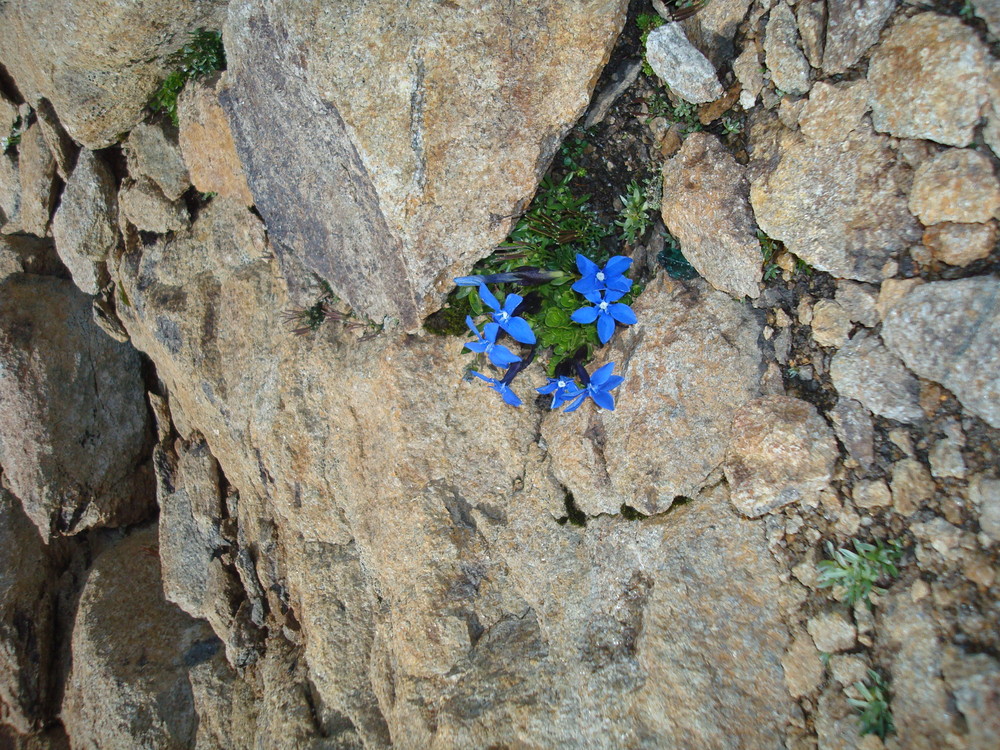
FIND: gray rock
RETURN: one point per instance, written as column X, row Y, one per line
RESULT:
column 945, row 456
column 10, row 190
column 912, row 486
column 781, row 452
column 949, row 332
column 37, row 170
column 974, row 680
column 153, row 152
column 859, row 302
column 960, row 244
column 713, row 28
column 839, row 206
column 73, row 429
column 929, row 79
column 831, row 325
column 984, row 493
column 836, row 722
column 989, row 11
column 871, row 494
column 97, row 67
column 681, row 66
column 852, row 27
column 145, row 205
column 956, row 185
column 803, row 669
column 864, row 370
column 360, row 183
column 63, row 150
column 706, row 207
column 853, row 424
column 811, row 20
column 789, row 67
column 747, row 70
column 25, row 253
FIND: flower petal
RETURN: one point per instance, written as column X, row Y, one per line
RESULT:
column 603, row 399
column 595, row 296
column 509, row 396
column 490, row 331
column 549, row 387
column 468, row 280
column 585, row 315
column 586, row 285
column 617, row 265
column 487, row 297
column 605, row 328
column 511, row 302
column 619, row 284
column 612, row 382
column 519, row 330
column 576, row 404
column 483, row 377
column 472, row 326
column 477, row 346
column 622, row 313
column 602, row 374
column 501, row 356
column 586, row 265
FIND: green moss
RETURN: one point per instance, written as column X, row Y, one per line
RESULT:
column 574, row 516
column 631, row 514
column 203, row 54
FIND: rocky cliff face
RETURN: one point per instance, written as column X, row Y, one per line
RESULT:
column 215, row 533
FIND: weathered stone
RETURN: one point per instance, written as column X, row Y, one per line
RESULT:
column 145, row 205
column 831, row 632
column 836, row 722
column 974, row 680
column 713, row 28
column 803, row 669
column 949, row 332
column 10, row 190
column 128, row 685
column 929, row 79
column 871, row 494
column 74, row 423
column 945, row 456
column 852, row 27
column 706, row 207
column 26, row 620
column 153, row 152
column 853, row 424
column 838, row 206
column 831, row 325
column 912, row 486
column 698, row 364
column 892, row 291
column 789, row 67
column 960, row 244
column 461, row 110
column 956, row 185
column 859, row 302
column 939, row 535
column 747, row 69
column 984, row 493
column 781, row 452
column 811, row 20
column 681, row 66
column 25, row 253
column 61, row 146
column 864, row 370
column 989, row 11
column 833, row 110
column 38, row 187
column 98, row 66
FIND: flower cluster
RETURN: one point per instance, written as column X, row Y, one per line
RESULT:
column 602, row 287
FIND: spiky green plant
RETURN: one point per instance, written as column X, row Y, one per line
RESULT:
column 876, row 717
column 860, row 570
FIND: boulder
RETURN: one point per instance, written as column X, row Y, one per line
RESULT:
column 864, row 370
column 789, row 67
column 153, row 152
column 957, row 185
column 852, row 27
column 681, row 66
column 37, row 171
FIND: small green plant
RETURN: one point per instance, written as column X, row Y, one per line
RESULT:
column 203, row 54
column 768, row 249
column 876, row 718
column 860, row 570
column 967, row 10
column 571, row 154
column 731, row 125
column 309, row 319
column 12, row 139
column 637, row 203
column 646, row 23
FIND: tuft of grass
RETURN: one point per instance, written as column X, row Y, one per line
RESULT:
column 637, row 203
column 10, row 141
column 876, row 717
column 571, row 153
column 203, row 54
column 860, row 570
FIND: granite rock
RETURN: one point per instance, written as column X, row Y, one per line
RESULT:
column 866, row 371
column 960, row 244
column 852, row 27
column 957, row 185
column 153, row 152
column 788, row 66
column 681, row 66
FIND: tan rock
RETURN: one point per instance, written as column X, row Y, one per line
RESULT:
column 832, row 111
column 811, row 20
column 836, row 722
column 145, row 206
column 871, row 494
column 974, row 680
column 984, row 492
column 153, row 152
column 25, row 253
column 912, row 486
column 747, row 69
column 892, row 291
column 853, row 424
column 956, row 185
column 38, row 189
column 831, row 324
column 10, row 191
column 866, row 371
column 859, row 302
column 788, row 66
column 852, row 26
column 831, row 632
column 803, row 669
column 960, row 244
column 848, row 669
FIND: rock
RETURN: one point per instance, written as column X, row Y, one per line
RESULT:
column 989, row 11
column 912, row 486
column 681, row 66
column 974, row 680
column 677, row 401
column 984, row 493
column 848, row 669
column 128, row 685
column 811, row 20
column 73, row 429
column 229, row 713
column 939, row 535
column 25, row 253
column 706, row 207
column 833, row 110
column 621, row 80
column 789, row 67
column 143, row 204
column 892, row 291
column 153, row 152
column 929, row 79
column 831, row 632
column 61, row 146
column 831, row 324
column 836, row 722
column 921, row 709
column 956, row 185
column 26, row 620
column 838, row 206
column 713, row 28
column 403, row 164
column 852, row 27
column 949, row 332
column 859, row 302
column 803, row 669
column 10, row 190
column 38, row 187
column 747, row 69
column 945, row 456
column 97, row 66
column 853, row 424
column 960, row 244
column 781, row 452
column 866, row 371
column 871, row 494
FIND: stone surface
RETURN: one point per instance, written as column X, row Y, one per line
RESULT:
column 73, row 429
column 836, row 722
column 859, row 302
column 681, row 66
column 974, row 680
column 929, row 79
column 945, row 455
column 984, row 492
column 26, row 620
column 698, row 364
column 831, row 325
column 892, row 291
column 153, row 152
column 811, row 20
column 833, row 110
column 838, row 206
column 788, row 66
column 912, row 486
column 706, row 207
column 781, row 452
column 871, row 494
column 460, row 113
column 956, row 185
column 207, row 143
column 831, row 632
column 713, row 28
column 747, row 69
column 803, row 669
column 131, row 652
column 145, row 205
column 960, row 244
column 866, row 371
column 10, row 190
column 949, row 332
column 853, row 424
column 989, row 11
column 97, row 63
column 852, row 27
column 25, row 253
column 63, row 150
column 37, row 171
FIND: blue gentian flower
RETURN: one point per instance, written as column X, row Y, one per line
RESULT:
column 500, row 387
column 607, row 310
column 518, row 328
column 499, row 354
column 525, row 276
column 562, row 389
column 598, row 387
column 597, row 279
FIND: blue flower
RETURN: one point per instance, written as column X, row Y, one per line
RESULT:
column 562, row 389
column 518, row 328
column 598, row 387
column 499, row 354
column 606, row 311
column 525, row 275
column 500, row 387
column 596, row 279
